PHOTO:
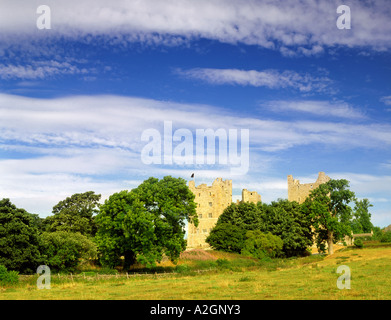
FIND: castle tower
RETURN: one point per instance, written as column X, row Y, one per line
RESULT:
column 211, row 202
column 250, row 196
column 299, row 192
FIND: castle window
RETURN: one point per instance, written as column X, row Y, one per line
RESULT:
column 210, row 204
column 204, row 231
column 200, row 216
column 210, row 215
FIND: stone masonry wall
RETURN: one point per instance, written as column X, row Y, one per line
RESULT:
column 299, row 192
column 211, row 202
column 250, row 196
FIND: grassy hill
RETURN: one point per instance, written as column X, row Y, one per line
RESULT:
column 217, row 275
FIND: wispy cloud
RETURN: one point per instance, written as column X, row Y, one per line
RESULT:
column 318, row 108
column 295, row 27
column 386, row 100
column 272, row 79
column 117, row 122
column 41, row 70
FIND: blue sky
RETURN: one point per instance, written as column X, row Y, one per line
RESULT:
column 75, row 99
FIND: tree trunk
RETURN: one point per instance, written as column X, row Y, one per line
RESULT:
column 130, row 259
column 330, row 242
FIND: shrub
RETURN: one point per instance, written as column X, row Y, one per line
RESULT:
column 63, row 250
column 226, row 237
column 8, row 277
column 260, row 245
column 386, row 237
column 358, row 243
column 182, row 268
column 377, row 233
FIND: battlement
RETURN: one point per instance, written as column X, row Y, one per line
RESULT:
column 299, row 192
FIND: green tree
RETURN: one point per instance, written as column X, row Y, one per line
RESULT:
column 146, row 223
column 75, row 214
column 287, row 220
column 245, row 215
column 377, row 233
column 63, row 251
column 386, row 236
column 362, row 218
column 328, row 207
column 19, row 243
column 226, row 237
column 281, row 218
column 259, row 245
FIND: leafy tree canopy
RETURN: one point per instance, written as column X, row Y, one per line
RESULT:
column 287, row 220
column 144, row 224
column 328, row 207
column 362, row 217
column 260, row 245
column 226, row 237
column 245, row 215
column 75, row 214
column 281, row 218
column 18, row 239
column 62, row 250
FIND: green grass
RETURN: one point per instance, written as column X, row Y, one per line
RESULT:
column 228, row 276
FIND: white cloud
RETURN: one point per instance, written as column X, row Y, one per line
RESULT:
column 318, row 108
column 386, row 100
column 368, row 184
column 117, row 122
column 294, row 26
column 268, row 78
column 40, row 70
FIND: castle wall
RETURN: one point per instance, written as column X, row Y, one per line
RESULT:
column 299, row 192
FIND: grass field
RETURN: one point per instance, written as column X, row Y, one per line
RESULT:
column 229, row 276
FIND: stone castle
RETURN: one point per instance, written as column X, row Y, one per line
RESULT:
column 299, row 192
column 212, row 200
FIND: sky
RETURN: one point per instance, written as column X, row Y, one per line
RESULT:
column 100, row 96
